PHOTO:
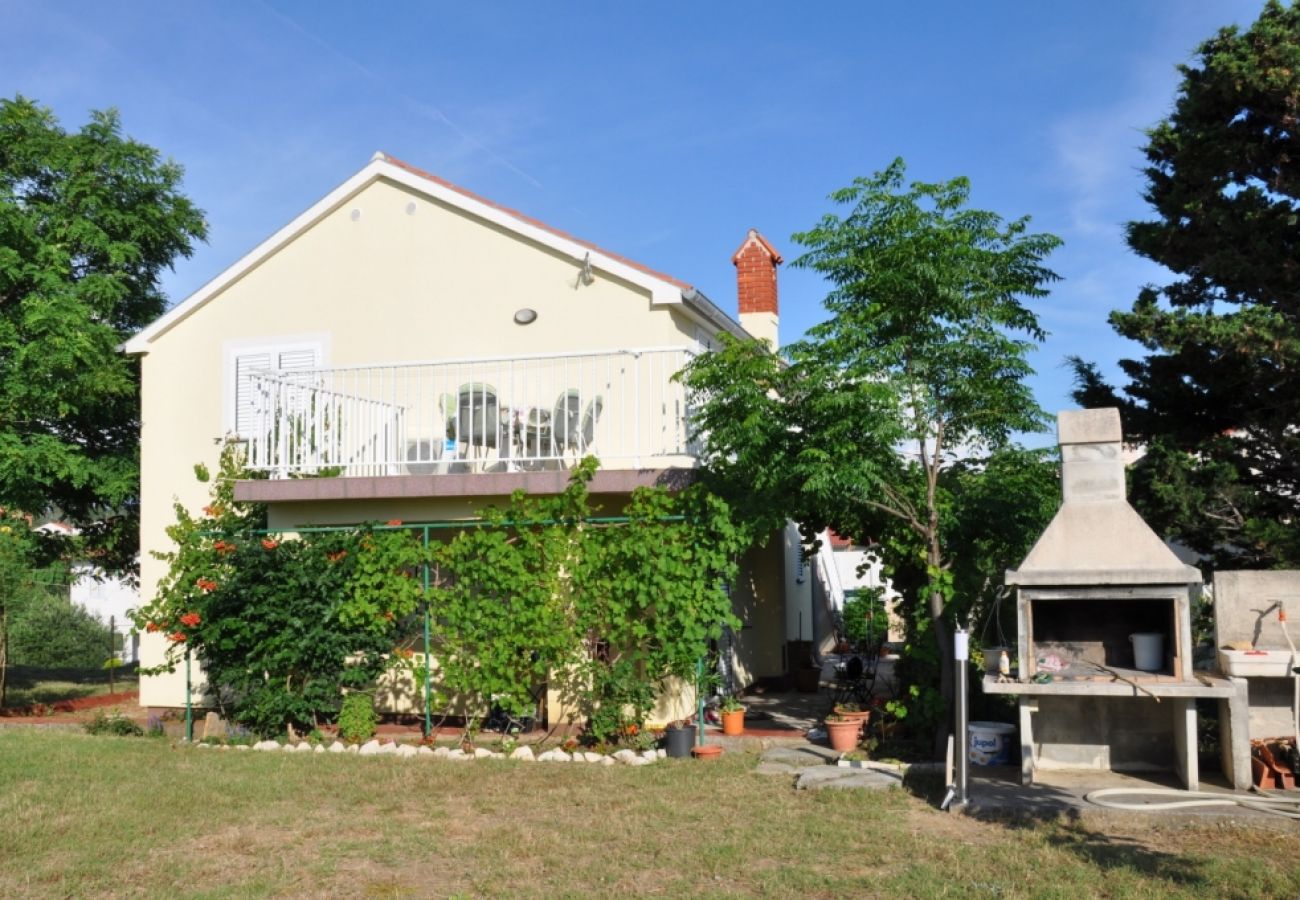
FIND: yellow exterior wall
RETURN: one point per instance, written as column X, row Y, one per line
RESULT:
column 389, row 276
column 759, row 601
column 396, row 691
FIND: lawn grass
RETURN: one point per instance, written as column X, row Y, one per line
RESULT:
column 82, row 816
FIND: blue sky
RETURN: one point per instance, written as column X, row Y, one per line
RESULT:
column 661, row 132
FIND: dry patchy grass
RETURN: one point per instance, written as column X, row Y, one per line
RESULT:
column 86, row 816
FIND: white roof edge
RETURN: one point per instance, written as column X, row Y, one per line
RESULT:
column 704, row 311
column 661, row 291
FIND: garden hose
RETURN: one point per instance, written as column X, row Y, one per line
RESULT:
column 1288, row 807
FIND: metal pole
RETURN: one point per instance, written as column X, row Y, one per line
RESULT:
column 428, row 665
column 189, row 706
column 961, row 754
column 699, row 701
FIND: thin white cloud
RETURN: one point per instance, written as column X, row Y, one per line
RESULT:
column 1098, row 152
column 421, row 107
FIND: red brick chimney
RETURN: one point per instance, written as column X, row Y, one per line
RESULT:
column 756, row 263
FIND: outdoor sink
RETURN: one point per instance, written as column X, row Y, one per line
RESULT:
column 1256, row 663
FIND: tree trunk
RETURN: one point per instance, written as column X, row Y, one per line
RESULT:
column 943, row 640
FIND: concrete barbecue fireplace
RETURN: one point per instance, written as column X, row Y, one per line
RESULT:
column 1105, row 642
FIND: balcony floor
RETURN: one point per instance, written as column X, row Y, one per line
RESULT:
column 466, row 484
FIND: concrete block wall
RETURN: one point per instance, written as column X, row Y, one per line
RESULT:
column 1120, row 733
column 1241, row 599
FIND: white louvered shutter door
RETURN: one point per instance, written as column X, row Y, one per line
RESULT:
column 245, row 401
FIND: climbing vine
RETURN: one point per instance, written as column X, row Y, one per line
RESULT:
column 653, row 600
column 542, row 591
column 505, row 599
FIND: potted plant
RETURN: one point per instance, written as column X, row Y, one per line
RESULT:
column 992, row 657
column 842, row 732
column 855, row 713
column 733, row 716
column 678, row 738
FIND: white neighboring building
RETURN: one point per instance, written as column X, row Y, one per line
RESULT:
column 850, row 559
column 108, row 598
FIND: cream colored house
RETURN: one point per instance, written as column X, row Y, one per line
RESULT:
column 430, row 352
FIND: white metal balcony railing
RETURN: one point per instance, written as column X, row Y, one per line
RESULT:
column 471, row 415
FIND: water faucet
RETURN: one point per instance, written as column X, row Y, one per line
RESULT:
column 1259, row 620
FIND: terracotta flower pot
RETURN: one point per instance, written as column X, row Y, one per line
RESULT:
column 861, row 716
column 843, row 735
column 733, row 723
column 707, row 751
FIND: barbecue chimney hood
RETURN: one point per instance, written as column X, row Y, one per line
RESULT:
column 1096, row 537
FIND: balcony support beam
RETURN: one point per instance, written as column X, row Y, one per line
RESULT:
column 468, row 484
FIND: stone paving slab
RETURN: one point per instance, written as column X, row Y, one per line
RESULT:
column 836, row 778
column 816, row 770
column 800, row 756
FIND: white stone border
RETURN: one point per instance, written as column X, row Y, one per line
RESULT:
column 406, row 751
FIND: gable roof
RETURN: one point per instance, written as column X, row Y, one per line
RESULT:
column 663, row 289
column 529, row 220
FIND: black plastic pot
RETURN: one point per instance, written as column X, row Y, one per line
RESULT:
column 678, row 741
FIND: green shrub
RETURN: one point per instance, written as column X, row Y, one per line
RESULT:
column 866, row 621
column 282, row 628
column 47, row 630
column 118, row 726
column 357, row 718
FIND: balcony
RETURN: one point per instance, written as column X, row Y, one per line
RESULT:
column 473, row 416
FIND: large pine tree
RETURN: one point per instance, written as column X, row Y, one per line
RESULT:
column 1217, row 397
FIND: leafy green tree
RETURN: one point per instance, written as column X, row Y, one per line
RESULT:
column 1001, row 504
column 88, row 222
column 16, row 559
column 1217, row 396
column 993, row 509
column 39, row 626
column 922, row 360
